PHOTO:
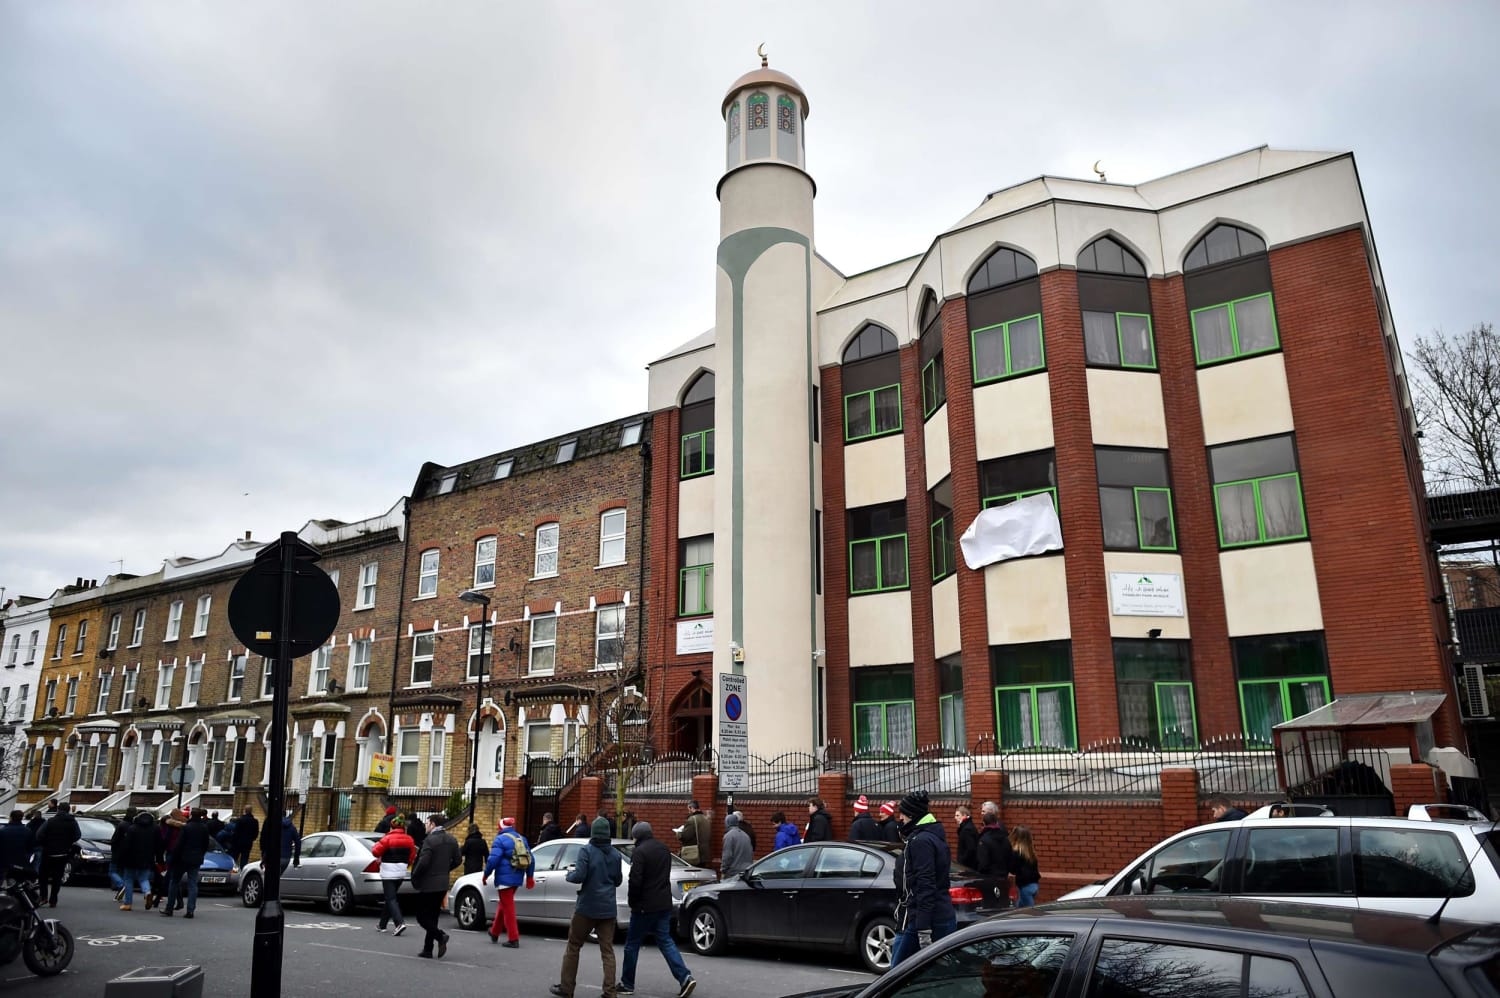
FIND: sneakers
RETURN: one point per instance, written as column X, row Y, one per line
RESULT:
column 624, row 989
column 510, row 944
column 124, row 907
column 399, row 929
column 557, row 991
column 380, row 928
column 120, row 894
column 687, row 987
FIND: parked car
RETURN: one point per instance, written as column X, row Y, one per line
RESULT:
column 1384, row 864
column 839, row 896
column 218, row 874
column 1175, row 947
column 552, row 899
column 336, row 868
column 90, row 864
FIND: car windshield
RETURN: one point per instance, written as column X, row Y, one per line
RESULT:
column 96, row 828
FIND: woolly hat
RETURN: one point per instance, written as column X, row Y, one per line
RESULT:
column 642, row 830
column 507, row 823
column 398, row 822
column 391, row 809
column 888, row 808
column 863, row 804
column 915, row 804
column 599, row 829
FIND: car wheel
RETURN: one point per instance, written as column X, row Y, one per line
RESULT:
column 469, row 909
column 875, row 942
column 340, row 897
column 250, row 891
column 706, row 931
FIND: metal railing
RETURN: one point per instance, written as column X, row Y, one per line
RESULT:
column 1459, row 502
column 1229, row 766
column 1120, row 769
column 937, row 769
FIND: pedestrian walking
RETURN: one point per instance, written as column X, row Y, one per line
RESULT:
column 438, row 856
column 215, row 826
column 579, row 829
column 968, row 837
column 738, row 853
column 186, row 861
column 598, row 872
column 863, row 828
column 291, row 842
column 1222, row 810
column 994, row 846
column 924, row 910
column 416, row 828
column 116, row 848
column 15, row 843
column 34, row 826
column 650, row 894
column 396, row 852
column 384, row 824
column 476, row 850
column 56, row 842
column 786, row 832
column 138, row 858
column 550, row 830
column 694, row 834
column 819, row 825
column 246, row 831
column 1024, row 865
column 510, row 865
column 746, row 826
column 890, row 828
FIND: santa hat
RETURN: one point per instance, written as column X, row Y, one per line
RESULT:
column 391, row 809
column 888, row 808
column 863, row 804
column 507, row 822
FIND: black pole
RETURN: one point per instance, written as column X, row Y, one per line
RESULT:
column 181, row 762
column 270, row 921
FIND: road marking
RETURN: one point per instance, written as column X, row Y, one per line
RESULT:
column 400, row 956
column 119, row 938
column 856, row 973
column 326, row 926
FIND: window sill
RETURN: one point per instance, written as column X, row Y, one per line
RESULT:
column 851, row 441
column 878, row 592
column 415, row 599
column 136, row 645
column 370, row 607
column 167, row 641
column 995, row 380
column 695, row 616
column 615, row 667
column 1263, row 544
column 78, row 654
column 420, row 686
column 359, row 689
column 549, row 672
column 689, row 478
column 487, row 585
column 201, row 634
column 538, row 578
column 612, row 564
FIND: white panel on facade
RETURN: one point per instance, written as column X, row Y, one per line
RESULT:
column 1244, row 399
column 1147, row 563
column 1270, row 590
column 1030, row 231
column 1013, row 417
column 875, row 471
column 668, row 378
column 880, row 631
column 695, row 506
column 935, row 441
column 1080, row 224
column 837, row 325
column 1027, row 600
column 945, row 636
column 1125, row 408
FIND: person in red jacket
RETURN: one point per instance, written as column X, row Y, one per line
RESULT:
column 396, row 851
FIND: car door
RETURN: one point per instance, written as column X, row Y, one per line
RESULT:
column 531, row 905
column 559, row 898
column 1193, row 864
column 1412, row 869
column 766, row 908
column 304, row 879
column 1301, row 859
column 1157, row 963
column 1020, row 963
column 840, row 886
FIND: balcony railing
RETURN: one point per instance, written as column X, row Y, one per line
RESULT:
column 1460, row 512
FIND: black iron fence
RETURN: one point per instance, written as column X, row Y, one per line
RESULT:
column 1121, row 769
column 937, row 769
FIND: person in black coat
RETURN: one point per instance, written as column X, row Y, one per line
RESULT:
column 137, row 858
column 116, row 843
column 579, row 829
column 416, row 828
column 864, row 827
column 246, row 831
column 890, row 828
column 745, row 826
column 34, row 826
column 650, row 899
column 550, row 829
column 15, row 844
column 968, row 837
column 476, row 851
column 994, row 846
column 185, row 861
column 819, row 825
column 925, row 909
column 56, row 842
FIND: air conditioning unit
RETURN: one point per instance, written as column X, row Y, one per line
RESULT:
column 1476, row 699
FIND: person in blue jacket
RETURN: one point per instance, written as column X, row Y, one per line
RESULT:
column 786, row 832
column 508, row 879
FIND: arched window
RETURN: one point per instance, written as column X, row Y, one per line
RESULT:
column 1005, row 317
column 732, row 139
column 930, row 355
column 758, row 113
column 1221, row 244
column 698, row 427
column 786, row 129
column 1227, row 284
column 1116, row 304
column 872, row 384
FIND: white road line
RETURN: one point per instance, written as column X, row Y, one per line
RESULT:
column 400, row 956
column 856, row 973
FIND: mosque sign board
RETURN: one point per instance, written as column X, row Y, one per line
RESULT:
column 1145, row 594
column 695, row 635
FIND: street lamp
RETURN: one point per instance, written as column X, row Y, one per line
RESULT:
column 181, row 771
column 483, row 601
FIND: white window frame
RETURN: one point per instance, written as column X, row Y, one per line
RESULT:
column 15, row 649
column 164, row 766
column 601, row 614
column 427, row 577
column 31, row 646
column 105, row 687
column 548, row 544
column 535, row 644
column 630, row 434
column 426, row 657
column 414, row 758
column 100, row 776
column 62, row 642
column 71, row 703
column 607, row 537
column 129, row 682
column 503, row 467
column 165, row 674
column 328, row 759
column 322, row 663
column 192, row 682
column 526, row 745
column 146, row 779
column 51, row 696
column 302, row 775
column 83, row 634
column 333, row 577
column 267, row 678
column 138, row 629
column 235, row 691
column 566, row 450
column 359, row 665
column 239, row 762
column 480, row 655
column 436, row 747
column 217, row 754
column 174, row 621
column 200, row 615
column 369, row 574
column 480, row 562
column 110, row 645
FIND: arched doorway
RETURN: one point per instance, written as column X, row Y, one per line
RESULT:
column 693, row 719
column 491, row 752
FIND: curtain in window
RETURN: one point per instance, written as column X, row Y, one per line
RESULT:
column 1015, row 719
column 1025, row 344
column 952, row 720
column 1211, row 326
column 1262, row 703
column 1135, row 336
column 1054, row 717
column 868, row 727
column 1101, row 344
column 1237, row 513
column 901, row 725
column 862, row 570
column 1281, row 504
column 1307, row 697
column 893, row 562
column 989, row 354
column 887, row 409
column 1253, row 322
column 1174, row 703
column 1135, row 711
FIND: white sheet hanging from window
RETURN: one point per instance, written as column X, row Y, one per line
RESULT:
column 1024, row 527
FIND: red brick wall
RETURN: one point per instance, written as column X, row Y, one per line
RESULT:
column 919, row 549
column 836, row 559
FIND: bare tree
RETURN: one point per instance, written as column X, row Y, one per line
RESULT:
column 1457, row 396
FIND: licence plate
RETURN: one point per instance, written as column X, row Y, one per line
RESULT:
column 212, row 880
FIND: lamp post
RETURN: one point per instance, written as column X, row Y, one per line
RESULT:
column 483, row 602
column 179, row 772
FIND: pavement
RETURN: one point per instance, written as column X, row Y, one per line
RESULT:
column 325, row 955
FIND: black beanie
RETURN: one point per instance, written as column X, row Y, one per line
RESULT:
column 915, row 804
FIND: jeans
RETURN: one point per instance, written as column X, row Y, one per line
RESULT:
column 429, row 904
column 116, row 877
column 578, row 932
column 390, row 911
column 505, row 915
column 1026, row 896
column 657, row 924
column 908, row 942
column 135, row 880
column 175, row 875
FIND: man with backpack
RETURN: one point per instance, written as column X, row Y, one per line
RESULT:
column 510, row 862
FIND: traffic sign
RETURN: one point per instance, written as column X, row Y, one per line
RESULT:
column 734, row 733
column 183, row 775
column 255, row 602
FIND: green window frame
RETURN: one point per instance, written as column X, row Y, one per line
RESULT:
column 1011, row 722
column 864, row 737
column 1233, row 314
column 882, row 583
column 1140, row 520
column 934, row 386
column 942, row 545
column 866, row 424
column 1264, row 534
column 951, row 720
column 1288, row 690
column 700, row 575
column 697, row 453
column 1003, row 331
column 1010, row 497
column 1120, row 346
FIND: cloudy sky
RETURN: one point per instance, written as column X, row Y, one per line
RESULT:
column 260, row 261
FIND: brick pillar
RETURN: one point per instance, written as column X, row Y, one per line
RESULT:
column 988, row 785
column 1179, row 799
column 834, row 789
column 836, row 562
column 706, row 793
column 514, row 795
column 1417, row 783
column 919, row 550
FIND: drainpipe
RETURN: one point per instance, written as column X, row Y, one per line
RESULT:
column 390, row 709
column 640, row 575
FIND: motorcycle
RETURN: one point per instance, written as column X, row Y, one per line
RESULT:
column 44, row 943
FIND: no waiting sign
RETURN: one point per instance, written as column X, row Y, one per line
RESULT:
column 734, row 734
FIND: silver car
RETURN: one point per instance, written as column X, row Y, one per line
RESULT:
column 552, row 899
column 336, row 868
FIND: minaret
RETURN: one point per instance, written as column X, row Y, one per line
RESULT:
column 764, row 588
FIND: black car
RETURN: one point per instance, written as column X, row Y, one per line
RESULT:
column 1184, row 947
column 92, row 853
column 839, row 896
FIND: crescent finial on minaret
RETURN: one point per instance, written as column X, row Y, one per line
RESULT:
column 761, row 51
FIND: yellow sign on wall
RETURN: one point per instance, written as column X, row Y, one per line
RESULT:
column 381, row 767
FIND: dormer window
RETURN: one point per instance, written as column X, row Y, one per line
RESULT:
column 565, row 451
